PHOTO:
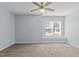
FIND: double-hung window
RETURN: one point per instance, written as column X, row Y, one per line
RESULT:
column 52, row 29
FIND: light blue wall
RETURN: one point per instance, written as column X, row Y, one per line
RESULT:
column 72, row 28
column 29, row 29
column 7, row 32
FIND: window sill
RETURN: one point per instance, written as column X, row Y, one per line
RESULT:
column 53, row 37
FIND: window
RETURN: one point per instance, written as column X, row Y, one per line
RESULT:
column 52, row 29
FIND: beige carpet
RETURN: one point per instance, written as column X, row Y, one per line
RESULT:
column 40, row 50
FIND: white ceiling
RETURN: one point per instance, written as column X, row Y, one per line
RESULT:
column 23, row 8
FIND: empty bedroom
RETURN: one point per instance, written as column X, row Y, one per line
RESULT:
column 39, row 29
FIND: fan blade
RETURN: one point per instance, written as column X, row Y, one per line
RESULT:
column 41, row 3
column 36, row 4
column 48, row 3
column 35, row 9
column 49, row 9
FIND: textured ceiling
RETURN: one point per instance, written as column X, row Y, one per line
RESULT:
column 23, row 8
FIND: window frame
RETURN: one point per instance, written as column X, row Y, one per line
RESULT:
column 43, row 31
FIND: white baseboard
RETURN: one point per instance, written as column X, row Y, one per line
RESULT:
column 60, row 40
column 44, row 42
column 6, row 46
column 72, row 44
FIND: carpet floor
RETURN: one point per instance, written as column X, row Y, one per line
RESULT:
column 40, row 50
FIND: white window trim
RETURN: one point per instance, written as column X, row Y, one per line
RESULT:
column 43, row 31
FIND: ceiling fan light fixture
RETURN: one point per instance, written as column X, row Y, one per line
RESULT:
column 42, row 7
column 42, row 10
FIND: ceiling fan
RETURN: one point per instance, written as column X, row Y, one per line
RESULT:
column 42, row 7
